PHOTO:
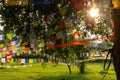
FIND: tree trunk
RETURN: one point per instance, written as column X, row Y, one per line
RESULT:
column 82, row 67
column 69, row 67
column 116, row 52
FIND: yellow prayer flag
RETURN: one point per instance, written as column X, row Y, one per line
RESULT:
column 49, row 61
column 63, row 10
column 14, row 48
column 9, row 36
column 92, row 54
column 30, row 61
column 0, row 55
column 1, row 45
column 4, row 52
column 18, row 54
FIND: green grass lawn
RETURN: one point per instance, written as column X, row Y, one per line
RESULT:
column 93, row 71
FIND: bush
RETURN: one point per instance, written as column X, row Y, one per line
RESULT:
column 28, row 56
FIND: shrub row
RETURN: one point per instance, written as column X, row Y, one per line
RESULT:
column 28, row 56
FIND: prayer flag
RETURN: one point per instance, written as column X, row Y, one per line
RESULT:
column 12, row 60
column 2, row 36
column 19, row 59
column 3, row 60
column 38, row 60
column 35, row 60
column 22, row 60
column 30, row 61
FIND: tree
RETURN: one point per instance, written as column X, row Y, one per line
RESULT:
column 71, row 56
column 116, row 49
column 80, row 52
column 40, row 22
column 67, row 54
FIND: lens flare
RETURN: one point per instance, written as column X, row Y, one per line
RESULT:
column 94, row 12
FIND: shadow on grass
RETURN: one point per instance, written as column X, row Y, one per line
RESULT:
column 65, row 77
column 61, row 78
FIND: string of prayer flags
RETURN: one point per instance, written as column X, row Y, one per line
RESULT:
column 16, row 2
